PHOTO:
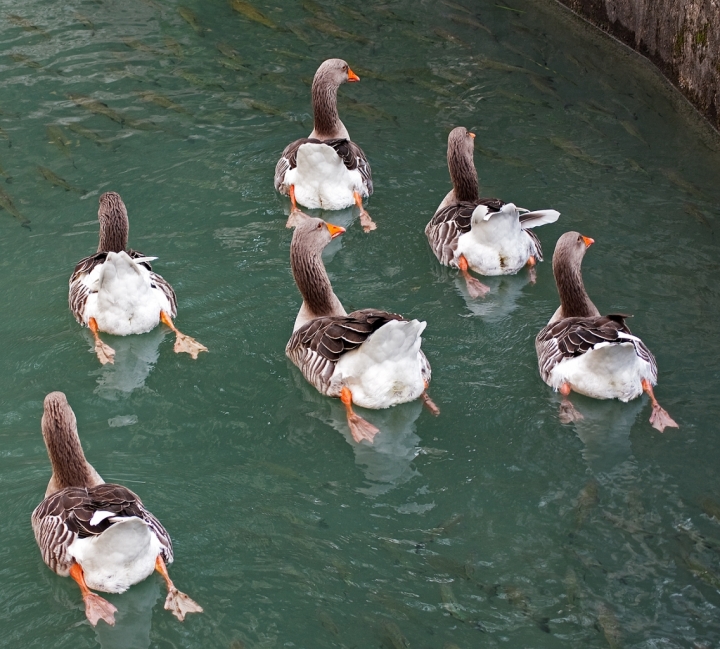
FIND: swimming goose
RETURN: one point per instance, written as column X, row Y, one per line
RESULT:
column 368, row 357
column 99, row 534
column 591, row 354
column 326, row 170
column 116, row 291
column 486, row 235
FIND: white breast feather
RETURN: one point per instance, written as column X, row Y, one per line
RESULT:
column 122, row 298
column 121, row 556
column 386, row 369
column 322, row 180
column 607, row 371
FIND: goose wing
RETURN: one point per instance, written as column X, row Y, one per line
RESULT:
column 449, row 223
column 571, row 337
column 80, row 512
column 318, row 345
column 351, row 154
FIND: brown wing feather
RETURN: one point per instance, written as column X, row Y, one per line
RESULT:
column 448, row 224
column 65, row 515
column 571, row 337
column 319, row 344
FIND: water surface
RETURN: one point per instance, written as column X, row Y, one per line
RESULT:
column 492, row 525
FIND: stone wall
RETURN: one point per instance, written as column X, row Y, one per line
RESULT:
column 682, row 37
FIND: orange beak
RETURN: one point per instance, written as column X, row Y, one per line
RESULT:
column 335, row 230
column 472, row 135
column 588, row 241
column 352, row 76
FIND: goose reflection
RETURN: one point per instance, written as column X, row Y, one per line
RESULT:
column 605, row 432
column 500, row 301
column 387, row 463
column 135, row 356
column 133, row 619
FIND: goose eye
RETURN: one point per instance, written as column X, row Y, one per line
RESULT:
column 345, row 68
column 319, row 226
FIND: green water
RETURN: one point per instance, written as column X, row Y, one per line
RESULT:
column 493, row 525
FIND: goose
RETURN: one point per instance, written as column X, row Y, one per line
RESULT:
column 116, row 291
column 595, row 355
column 327, row 169
column 99, row 534
column 486, row 235
column 368, row 357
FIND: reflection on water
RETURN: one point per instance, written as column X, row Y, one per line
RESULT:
column 133, row 619
column 387, row 462
column 605, row 431
column 135, row 357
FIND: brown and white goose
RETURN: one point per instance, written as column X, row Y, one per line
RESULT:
column 326, row 170
column 368, row 357
column 116, row 291
column 591, row 354
column 99, row 534
column 486, row 235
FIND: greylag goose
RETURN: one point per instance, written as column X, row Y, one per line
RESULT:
column 99, row 534
column 369, row 357
column 326, row 170
column 486, row 235
column 591, row 354
column 116, row 291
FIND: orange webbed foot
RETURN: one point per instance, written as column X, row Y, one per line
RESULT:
column 179, row 604
column 97, row 608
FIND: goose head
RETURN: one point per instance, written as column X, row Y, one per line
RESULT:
column 461, row 146
column 59, row 429
column 333, row 73
column 114, row 223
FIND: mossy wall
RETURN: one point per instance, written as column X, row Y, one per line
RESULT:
column 682, row 37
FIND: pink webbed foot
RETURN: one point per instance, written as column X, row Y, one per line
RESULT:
column 105, row 353
column 97, row 608
column 368, row 225
column 360, row 428
column 660, row 419
column 188, row 345
column 179, row 604
column 568, row 413
column 475, row 287
column 532, row 273
column 430, row 404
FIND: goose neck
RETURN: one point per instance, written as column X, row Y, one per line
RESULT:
column 313, row 282
column 463, row 175
column 327, row 122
